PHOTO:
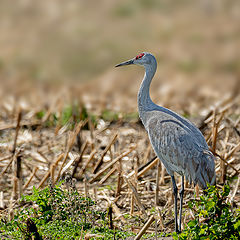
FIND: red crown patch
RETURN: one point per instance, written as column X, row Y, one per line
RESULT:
column 139, row 56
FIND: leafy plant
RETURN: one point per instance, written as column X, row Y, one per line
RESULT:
column 58, row 213
column 214, row 217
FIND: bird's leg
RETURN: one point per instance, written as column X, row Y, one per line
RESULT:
column 181, row 203
column 175, row 191
column 157, row 183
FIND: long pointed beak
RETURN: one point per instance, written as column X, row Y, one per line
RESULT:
column 129, row 62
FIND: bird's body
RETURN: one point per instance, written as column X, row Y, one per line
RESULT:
column 177, row 142
column 179, row 146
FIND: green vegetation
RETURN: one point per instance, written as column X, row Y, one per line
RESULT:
column 40, row 114
column 112, row 116
column 61, row 212
column 214, row 217
column 72, row 114
column 58, row 213
column 109, row 116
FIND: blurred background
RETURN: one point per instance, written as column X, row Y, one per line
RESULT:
column 67, row 50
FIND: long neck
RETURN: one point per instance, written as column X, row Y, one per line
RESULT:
column 144, row 100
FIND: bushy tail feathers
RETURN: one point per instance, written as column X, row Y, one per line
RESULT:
column 207, row 172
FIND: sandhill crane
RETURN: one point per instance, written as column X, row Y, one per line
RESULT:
column 177, row 142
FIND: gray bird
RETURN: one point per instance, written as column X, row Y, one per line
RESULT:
column 177, row 142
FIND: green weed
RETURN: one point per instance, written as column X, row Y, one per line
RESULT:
column 218, row 220
column 58, row 213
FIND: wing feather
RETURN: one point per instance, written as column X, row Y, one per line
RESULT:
column 181, row 150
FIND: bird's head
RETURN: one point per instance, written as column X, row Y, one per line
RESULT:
column 143, row 58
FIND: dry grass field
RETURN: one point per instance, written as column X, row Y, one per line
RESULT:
column 66, row 111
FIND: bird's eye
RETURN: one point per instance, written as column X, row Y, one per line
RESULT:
column 139, row 56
